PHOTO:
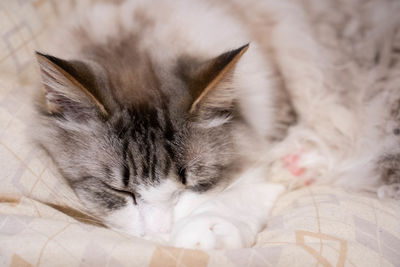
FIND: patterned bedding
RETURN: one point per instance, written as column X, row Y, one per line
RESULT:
column 40, row 224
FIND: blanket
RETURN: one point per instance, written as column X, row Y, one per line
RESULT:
column 40, row 222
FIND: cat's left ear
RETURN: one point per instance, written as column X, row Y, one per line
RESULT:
column 69, row 88
column 210, row 82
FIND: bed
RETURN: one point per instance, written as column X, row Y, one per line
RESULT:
column 40, row 224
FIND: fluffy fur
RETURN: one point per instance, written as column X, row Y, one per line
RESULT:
column 143, row 163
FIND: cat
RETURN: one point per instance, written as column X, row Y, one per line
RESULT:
column 183, row 121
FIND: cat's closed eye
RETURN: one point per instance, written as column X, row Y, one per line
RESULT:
column 130, row 194
column 124, row 192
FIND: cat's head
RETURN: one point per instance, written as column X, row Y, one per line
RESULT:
column 130, row 139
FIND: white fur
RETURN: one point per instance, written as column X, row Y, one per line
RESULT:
column 227, row 219
column 215, row 122
column 153, row 214
column 127, row 219
column 156, row 205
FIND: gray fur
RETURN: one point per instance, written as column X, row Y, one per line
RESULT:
column 145, row 133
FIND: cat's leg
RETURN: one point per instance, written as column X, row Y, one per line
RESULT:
column 389, row 191
column 389, row 168
column 230, row 219
column 388, row 165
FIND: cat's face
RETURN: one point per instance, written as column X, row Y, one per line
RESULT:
column 129, row 149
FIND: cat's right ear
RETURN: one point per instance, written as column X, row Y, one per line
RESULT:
column 65, row 93
column 210, row 82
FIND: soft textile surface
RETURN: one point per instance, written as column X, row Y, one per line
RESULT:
column 39, row 224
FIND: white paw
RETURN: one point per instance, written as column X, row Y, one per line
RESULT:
column 210, row 232
column 389, row 191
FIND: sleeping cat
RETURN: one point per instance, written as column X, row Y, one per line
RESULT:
column 170, row 120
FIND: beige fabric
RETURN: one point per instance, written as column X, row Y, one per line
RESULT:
column 313, row 226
